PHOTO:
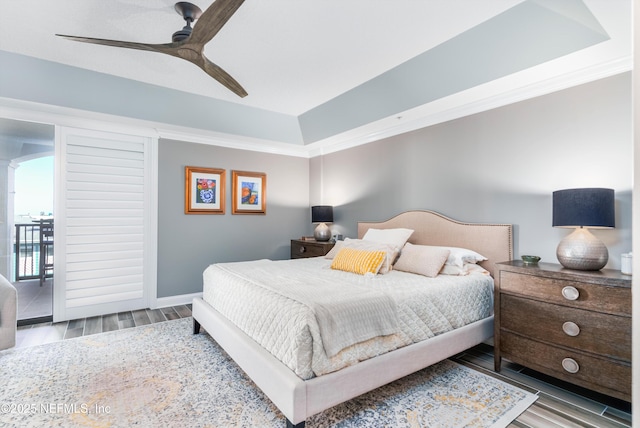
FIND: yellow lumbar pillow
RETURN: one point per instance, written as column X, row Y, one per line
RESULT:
column 358, row 261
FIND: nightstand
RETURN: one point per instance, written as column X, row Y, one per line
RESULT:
column 302, row 249
column 572, row 325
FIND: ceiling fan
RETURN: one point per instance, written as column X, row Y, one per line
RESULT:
column 188, row 43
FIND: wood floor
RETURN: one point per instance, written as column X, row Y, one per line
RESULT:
column 36, row 334
column 559, row 404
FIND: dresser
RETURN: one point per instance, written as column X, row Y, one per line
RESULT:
column 572, row 325
column 306, row 248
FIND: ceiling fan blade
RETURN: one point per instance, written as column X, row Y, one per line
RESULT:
column 191, row 48
column 167, row 48
column 222, row 76
column 212, row 20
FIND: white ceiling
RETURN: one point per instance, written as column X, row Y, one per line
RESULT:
column 294, row 55
column 290, row 55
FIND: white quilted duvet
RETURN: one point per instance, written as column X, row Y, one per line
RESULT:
column 288, row 329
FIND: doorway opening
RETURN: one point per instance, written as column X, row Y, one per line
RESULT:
column 32, row 262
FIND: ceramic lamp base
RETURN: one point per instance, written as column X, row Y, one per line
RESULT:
column 582, row 251
column 322, row 232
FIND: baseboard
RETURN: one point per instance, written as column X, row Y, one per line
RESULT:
column 182, row 299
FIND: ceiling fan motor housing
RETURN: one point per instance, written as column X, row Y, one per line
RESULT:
column 181, row 35
column 190, row 12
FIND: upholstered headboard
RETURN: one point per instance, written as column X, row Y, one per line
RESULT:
column 494, row 241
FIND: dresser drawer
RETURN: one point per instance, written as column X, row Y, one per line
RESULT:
column 607, row 335
column 303, row 249
column 596, row 297
column 606, row 376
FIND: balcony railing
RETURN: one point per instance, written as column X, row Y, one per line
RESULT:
column 29, row 262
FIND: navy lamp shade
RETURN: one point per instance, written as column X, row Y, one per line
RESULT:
column 583, row 209
column 322, row 214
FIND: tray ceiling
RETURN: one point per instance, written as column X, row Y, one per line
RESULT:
column 319, row 72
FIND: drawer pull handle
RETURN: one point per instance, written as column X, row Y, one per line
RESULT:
column 302, row 249
column 570, row 293
column 570, row 365
column 571, row 328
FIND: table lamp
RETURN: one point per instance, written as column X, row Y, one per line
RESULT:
column 582, row 209
column 322, row 214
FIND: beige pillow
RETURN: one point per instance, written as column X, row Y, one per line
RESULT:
column 422, row 259
column 359, row 244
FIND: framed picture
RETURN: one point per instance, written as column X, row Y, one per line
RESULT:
column 249, row 192
column 204, row 190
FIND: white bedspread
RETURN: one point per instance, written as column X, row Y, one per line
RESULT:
column 289, row 330
column 345, row 315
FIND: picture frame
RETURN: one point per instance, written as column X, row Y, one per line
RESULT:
column 249, row 192
column 204, row 190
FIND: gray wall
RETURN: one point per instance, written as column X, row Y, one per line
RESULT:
column 497, row 166
column 187, row 244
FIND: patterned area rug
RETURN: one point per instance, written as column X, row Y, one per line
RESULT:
column 162, row 375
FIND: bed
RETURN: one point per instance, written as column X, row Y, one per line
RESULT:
column 299, row 396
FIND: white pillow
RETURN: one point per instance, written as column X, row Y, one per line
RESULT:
column 335, row 250
column 422, row 259
column 359, row 244
column 459, row 256
column 467, row 269
column 396, row 237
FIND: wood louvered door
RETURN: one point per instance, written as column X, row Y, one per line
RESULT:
column 104, row 223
